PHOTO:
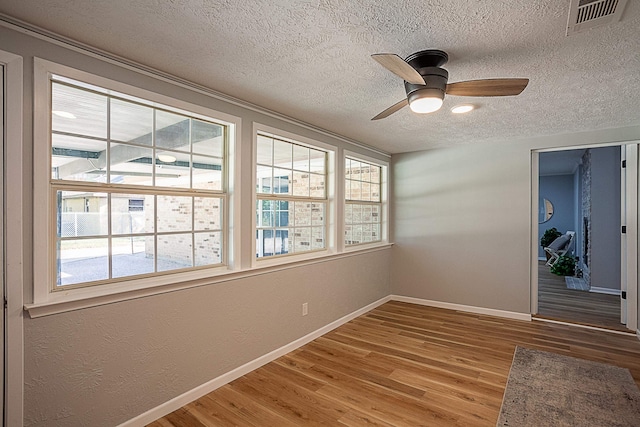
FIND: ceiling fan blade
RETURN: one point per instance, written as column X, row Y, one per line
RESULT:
column 487, row 87
column 399, row 67
column 389, row 111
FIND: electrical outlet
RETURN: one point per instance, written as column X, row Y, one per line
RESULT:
column 305, row 309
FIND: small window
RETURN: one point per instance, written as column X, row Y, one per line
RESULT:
column 363, row 202
column 291, row 197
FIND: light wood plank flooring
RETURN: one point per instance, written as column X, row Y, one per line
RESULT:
column 557, row 302
column 398, row 365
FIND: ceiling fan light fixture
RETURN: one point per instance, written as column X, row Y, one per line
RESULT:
column 424, row 101
column 461, row 109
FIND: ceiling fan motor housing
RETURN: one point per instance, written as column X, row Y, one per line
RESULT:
column 435, row 84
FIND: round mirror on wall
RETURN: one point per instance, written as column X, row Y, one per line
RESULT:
column 545, row 210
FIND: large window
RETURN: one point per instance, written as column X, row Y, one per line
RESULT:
column 291, row 197
column 137, row 188
column 363, row 202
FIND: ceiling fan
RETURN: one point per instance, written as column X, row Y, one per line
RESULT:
column 426, row 82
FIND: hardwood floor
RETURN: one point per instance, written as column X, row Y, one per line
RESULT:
column 557, row 302
column 398, row 365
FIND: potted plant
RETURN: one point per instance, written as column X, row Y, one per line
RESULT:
column 549, row 236
column 565, row 266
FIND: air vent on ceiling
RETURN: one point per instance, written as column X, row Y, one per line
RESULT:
column 586, row 14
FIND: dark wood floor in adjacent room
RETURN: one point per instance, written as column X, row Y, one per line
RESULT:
column 557, row 302
column 398, row 365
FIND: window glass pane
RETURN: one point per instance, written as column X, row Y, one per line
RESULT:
column 302, row 213
column 131, row 122
column 265, row 243
column 78, row 111
column 317, row 214
column 131, row 213
column 266, row 213
column 207, row 138
column 362, row 223
column 175, row 251
column 208, row 249
column 356, row 190
column 302, row 240
column 265, row 150
column 82, row 213
column 375, row 174
column 174, row 213
column 281, row 242
column 375, row 232
column 365, row 191
column 300, row 184
column 282, row 154
column 172, row 169
column 366, row 233
column 366, row 214
column 78, row 159
column 355, row 170
column 131, row 165
column 348, row 216
column 132, row 256
column 263, row 179
column 375, row 213
column 317, row 161
column 281, row 181
column 82, row 260
column 317, row 238
column 357, row 233
column 300, row 158
column 207, row 213
column 207, row 173
column 357, row 213
column 172, row 131
column 317, row 187
column 365, row 172
column 282, row 213
column 375, row 193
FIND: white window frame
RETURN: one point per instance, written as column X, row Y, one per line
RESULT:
column 384, row 201
column 42, row 293
column 331, row 213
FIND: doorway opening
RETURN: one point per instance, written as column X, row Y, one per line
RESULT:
column 579, row 267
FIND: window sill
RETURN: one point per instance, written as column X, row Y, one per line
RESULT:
column 62, row 301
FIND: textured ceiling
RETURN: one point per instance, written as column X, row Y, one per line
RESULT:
column 311, row 60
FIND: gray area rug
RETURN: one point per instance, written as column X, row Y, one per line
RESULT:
column 548, row 389
column 576, row 283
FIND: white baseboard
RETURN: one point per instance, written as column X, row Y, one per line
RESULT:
column 193, row 394
column 607, row 291
column 465, row 308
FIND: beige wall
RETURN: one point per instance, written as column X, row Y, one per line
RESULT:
column 107, row 364
column 462, row 220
